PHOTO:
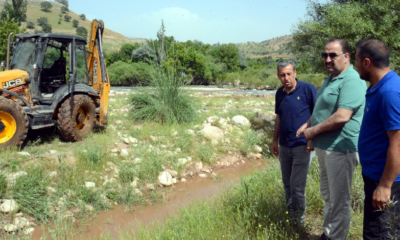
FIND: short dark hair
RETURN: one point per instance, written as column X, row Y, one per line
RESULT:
column 374, row 50
column 343, row 43
column 285, row 63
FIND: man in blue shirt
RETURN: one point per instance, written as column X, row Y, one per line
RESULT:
column 379, row 141
column 294, row 106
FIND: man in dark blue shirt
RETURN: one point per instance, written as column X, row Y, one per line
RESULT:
column 294, row 103
column 379, row 141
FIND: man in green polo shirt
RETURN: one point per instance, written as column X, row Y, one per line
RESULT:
column 333, row 128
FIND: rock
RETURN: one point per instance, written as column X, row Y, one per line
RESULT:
column 51, row 190
column 137, row 160
column 241, row 121
column 212, row 133
column 172, row 172
column 257, row 149
column 214, row 175
column 198, row 166
column 9, row 206
column 175, row 133
column 10, row 228
column 174, row 180
column 124, row 153
column 53, row 151
column 212, row 120
column 118, row 122
column 26, row 154
column 138, row 192
column 165, row 178
column 20, row 214
column 109, row 181
column 183, row 180
column 126, row 140
column 190, row 132
column 134, row 183
column 182, row 161
column 203, row 175
column 206, row 170
column 115, row 150
column 149, row 186
column 133, row 140
column 178, row 150
column 21, row 222
column 29, row 231
column 254, row 156
column 90, row 184
column 89, row 208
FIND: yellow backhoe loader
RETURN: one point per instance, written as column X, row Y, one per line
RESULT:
column 53, row 79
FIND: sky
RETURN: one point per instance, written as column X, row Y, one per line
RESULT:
column 209, row 21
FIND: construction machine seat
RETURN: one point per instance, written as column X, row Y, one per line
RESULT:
column 58, row 68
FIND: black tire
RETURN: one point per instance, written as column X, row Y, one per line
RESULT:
column 76, row 118
column 14, row 124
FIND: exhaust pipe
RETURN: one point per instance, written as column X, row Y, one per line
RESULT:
column 8, row 50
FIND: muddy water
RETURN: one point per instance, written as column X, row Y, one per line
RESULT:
column 122, row 219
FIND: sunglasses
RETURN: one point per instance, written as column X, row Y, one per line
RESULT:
column 330, row 55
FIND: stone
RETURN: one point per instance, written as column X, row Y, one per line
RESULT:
column 137, row 160
column 174, row 180
column 212, row 133
column 175, row 133
column 198, row 166
column 53, row 151
column 9, row 206
column 51, row 190
column 115, row 150
column 241, row 121
column 53, row 174
column 126, row 140
column 26, row 154
column 190, row 132
column 10, row 228
column 90, row 184
column 149, row 186
column 21, row 222
column 138, row 192
column 203, row 175
column 109, row 181
column 257, row 149
column 133, row 140
column 134, row 183
column 165, row 178
column 182, row 161
column 212, row 120
column 183, row 180
column 29, row 231
column 172, row 172
column 89, row 208
column 124, row 153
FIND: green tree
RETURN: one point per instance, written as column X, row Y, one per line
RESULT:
column 75, row 23
column 16, row 11
column 7, row 27
column 67, row 18
column 46, row 6
column 82, row 17
column 229, row 54
column 42, row 20
column 350, row 20
column 46, row 27
column 64, row 9
column 82, row 31
column 64, row 2
column 30, row 25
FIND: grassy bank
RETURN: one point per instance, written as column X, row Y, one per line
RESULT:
column 253, row 210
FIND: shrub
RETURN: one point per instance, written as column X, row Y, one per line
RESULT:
column 46, row 28
column 46, row 6
column 64, row 9
column 67, row 18
column 122, row 73
column 30, row 25
column 82, row 17
column 75, row 23
column 42, row 20
column 166, row 104
column 82, row 31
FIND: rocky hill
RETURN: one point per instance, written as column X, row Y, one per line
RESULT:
column 274, row 47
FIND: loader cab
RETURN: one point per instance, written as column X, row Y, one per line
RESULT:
column 52, row 60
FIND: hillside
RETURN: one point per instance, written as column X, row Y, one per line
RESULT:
column 112, row 40
column 274, row 47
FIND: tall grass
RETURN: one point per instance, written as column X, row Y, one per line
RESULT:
column 166, row 103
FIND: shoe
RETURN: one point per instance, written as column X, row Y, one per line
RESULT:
column 323, row 237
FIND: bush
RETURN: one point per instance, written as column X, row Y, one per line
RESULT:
column 82, row 17
column 167, row 103
column 46, row 28
column 64, row 9
column 75, row 23
column 122, row 73
column 30, row 25
column 42, row 20
column 46, row 6
column 67, row 18
column 82, row 31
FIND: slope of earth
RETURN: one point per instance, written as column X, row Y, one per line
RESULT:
column 112, row 40
column 275, row 47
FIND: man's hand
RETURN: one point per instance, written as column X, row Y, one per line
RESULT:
column 380, row 197
column 309, row 133
column 300, row 131
column 275, row 148
column 309, row 147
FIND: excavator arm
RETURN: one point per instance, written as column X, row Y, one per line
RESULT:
column 98, row 77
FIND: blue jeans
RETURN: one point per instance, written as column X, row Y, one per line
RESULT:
column 295, row 162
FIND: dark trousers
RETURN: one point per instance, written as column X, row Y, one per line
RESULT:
column 381, row 224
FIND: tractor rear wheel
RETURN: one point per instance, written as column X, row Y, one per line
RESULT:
column 14, row 123
column 76, row 118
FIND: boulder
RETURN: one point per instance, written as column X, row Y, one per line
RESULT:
column 90, row 184
column 212, row 133
column 10, row 228
column 241, row 121
column 124, row 153
column 165, row 178
column 262, row 120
